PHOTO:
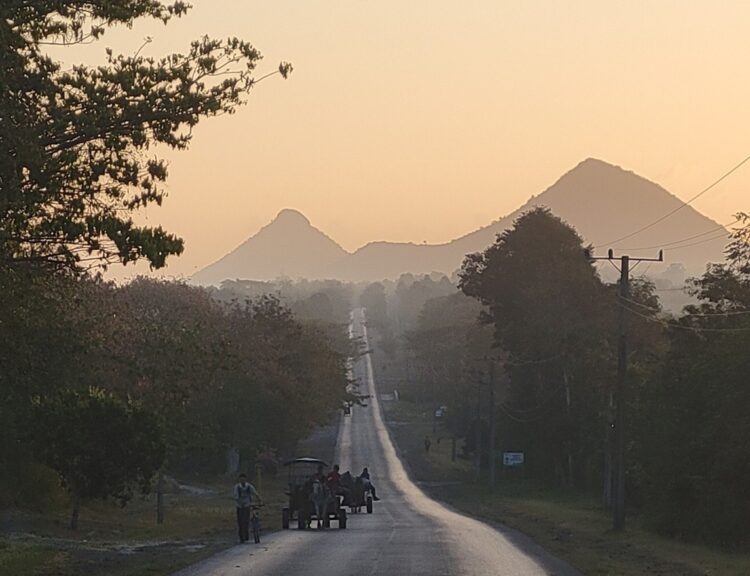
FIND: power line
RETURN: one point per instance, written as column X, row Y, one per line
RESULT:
column 688, row 314
column 696, row 329
column 711, row 239
column 681, row 206
column 722, row 227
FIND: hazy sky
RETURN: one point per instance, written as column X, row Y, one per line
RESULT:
column 421, row 120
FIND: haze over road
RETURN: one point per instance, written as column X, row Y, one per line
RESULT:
column 409, row 533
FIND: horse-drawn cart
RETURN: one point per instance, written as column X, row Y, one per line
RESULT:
column 309, row 496
column 358, row 493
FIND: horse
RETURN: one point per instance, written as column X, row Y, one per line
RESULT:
column 320, row 497
column 355, row 491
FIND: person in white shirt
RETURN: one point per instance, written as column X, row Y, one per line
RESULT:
column 243, row 495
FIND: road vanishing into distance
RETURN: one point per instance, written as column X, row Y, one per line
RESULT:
column 408, row 533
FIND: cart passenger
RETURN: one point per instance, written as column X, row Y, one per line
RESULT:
column 319, row 476
column 365, row 476
column 334, row 477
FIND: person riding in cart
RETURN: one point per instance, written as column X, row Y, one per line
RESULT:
column 334, row 478
column 365, row 476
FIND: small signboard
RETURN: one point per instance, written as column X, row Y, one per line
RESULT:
column 512, row 459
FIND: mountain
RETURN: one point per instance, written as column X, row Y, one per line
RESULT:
column 602, row 201
column 288, row 246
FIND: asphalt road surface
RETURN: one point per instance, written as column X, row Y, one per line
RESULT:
column 408, row 533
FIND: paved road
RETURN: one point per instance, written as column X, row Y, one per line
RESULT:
column 408, row 533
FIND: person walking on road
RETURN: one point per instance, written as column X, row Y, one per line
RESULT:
column 427, row 444
column 243, row 496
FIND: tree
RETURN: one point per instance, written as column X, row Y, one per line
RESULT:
column 696, row 425
column 547, row 305
column 47, row 335
column 101, row 447
column 165, row 347
column 279, row 380
column 374, row 300
column 75, row 160
column 447, row 346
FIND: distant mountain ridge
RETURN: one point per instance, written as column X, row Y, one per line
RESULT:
column 602, row 201
column 288, row 246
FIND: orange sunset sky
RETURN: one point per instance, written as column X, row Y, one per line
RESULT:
column 421, row 120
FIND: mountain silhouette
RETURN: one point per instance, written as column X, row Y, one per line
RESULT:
column 602, row 201
column 288, row 246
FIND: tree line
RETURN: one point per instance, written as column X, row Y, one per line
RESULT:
column 105, row 388
column 535, row 306
column 113, row 386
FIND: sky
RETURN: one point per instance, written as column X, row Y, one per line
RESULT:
column 422, row 120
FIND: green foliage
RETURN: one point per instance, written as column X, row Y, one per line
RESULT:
column 100, row 446
column 281, row 380
column 75, row 145
column 555, row 325
column 446, row 343
column 412, row 293
column 373, row 299
column 696, row 419
column 212, row 374
column 550, row 316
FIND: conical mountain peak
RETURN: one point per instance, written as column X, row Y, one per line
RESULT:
column 601, row 200
column 291, row 217
column 288, row 246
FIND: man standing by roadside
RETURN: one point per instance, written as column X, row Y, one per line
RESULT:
column 243, row 496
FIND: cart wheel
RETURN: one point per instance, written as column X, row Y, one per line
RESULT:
column 301, row 520
column 342, row 519
column 285, row 518
column 369, row 505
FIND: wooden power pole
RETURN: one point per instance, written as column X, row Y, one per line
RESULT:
column 493, row 426
column 619, row 396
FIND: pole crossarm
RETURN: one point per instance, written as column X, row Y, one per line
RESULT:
column 611, row 256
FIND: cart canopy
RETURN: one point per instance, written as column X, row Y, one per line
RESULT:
column 306, row 460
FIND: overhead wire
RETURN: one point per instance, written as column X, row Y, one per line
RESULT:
column 683, row 204
column 722, row 227
column 711, row 239
column 669, row 324
column 688, row 314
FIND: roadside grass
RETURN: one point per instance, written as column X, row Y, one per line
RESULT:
column 570, row 525
column 127, row 541
column 115, row 541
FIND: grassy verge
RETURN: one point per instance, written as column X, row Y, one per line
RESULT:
column 569, row 525
column 116, row 541
column 126, row 541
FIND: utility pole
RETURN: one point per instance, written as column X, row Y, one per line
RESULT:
column 619, row 395
column 618, row 509
column 493, row 459
column 479, row 432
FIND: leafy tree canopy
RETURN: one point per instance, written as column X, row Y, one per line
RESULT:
column 541, row 290
column 100, row 446
column 76, row 146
